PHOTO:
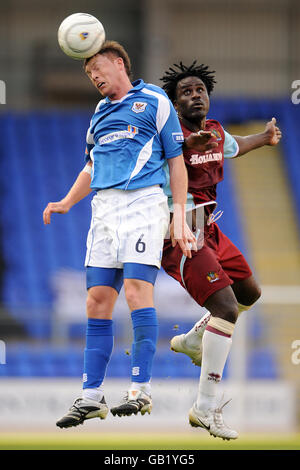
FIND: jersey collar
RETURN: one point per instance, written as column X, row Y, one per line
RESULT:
column 137, row 86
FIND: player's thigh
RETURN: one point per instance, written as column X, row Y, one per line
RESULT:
column 139, row 280
column 232, row 260
column 103, row 287
column 202, row 275
column 245, row 287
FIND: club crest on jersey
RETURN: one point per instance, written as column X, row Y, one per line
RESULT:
column 212, row 276
column 216, row 134
column 139, row 106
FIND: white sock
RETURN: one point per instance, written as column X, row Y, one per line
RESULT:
column 215, row 350
column 194, row 336
column 95, row 394
column 142, row 386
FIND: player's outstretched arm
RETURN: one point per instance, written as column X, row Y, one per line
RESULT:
column 201, row 141
column 80, row 189
column 270, row 136
column 179, row 230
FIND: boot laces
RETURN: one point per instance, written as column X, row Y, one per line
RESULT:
column 218, row 415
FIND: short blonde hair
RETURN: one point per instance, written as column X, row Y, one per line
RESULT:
column 115, row 49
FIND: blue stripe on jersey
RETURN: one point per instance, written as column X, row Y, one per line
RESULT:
column 129, row 140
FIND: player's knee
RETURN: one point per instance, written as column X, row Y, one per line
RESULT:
column 256, row 294
column 247, row 292
column 227, row 311
column 98, row 305
column 138, row 295
column 230, row 314
column 250, row 297
column 223, row 304
column 133, row 298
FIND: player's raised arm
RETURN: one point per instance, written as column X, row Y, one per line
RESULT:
column 79, row 190
column 179, row 231
column 270, row 136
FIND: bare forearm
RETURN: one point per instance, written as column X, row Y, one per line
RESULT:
column 178, row 180
column 179, row 231
column 80, row 189
column 251, row 142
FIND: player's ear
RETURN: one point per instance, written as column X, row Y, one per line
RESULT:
column 120, row 62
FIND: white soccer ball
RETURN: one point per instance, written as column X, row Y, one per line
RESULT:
column 81, row 35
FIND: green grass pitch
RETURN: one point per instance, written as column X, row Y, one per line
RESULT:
column 71, row 440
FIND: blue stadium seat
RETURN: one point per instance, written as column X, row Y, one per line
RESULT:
column 262, row 364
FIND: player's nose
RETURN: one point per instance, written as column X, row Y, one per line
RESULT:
column 195, row 94
column 94, row 75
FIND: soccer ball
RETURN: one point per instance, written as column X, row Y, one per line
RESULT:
column 81, row 35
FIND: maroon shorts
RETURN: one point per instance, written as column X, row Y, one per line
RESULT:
column 218, row 264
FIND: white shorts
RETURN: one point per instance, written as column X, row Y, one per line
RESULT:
column 127, row 227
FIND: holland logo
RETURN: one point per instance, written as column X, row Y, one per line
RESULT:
column 139, row 107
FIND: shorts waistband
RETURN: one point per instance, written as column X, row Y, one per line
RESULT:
column 128, row 191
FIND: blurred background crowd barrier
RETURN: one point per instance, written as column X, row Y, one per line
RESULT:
column 254, row 49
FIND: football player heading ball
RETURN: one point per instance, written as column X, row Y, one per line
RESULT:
column 131, row 135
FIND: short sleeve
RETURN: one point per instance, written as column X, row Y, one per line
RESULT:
column 171, row 134
column 231, row 148
column 90, row 144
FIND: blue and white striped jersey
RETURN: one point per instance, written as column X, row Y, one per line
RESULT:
column 129, row 139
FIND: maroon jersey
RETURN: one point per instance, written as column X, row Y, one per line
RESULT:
column 205, row 170
column 218, row 263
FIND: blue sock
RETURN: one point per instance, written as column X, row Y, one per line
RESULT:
column 99, row 345
column 145, row 333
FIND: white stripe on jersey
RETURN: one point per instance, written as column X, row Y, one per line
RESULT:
column 98, row 105
column 89, row 135
column 162, row 115
column 142, row 159
column 163, row 108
